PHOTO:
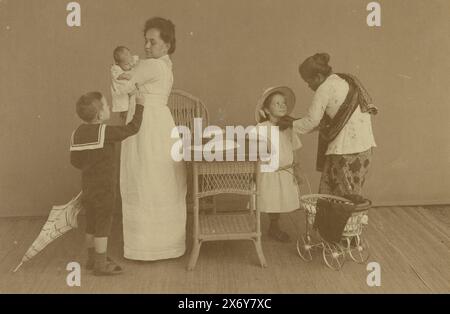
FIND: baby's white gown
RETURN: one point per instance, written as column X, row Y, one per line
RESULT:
column 153, row 185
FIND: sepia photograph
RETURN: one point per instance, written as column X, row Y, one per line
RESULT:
column 224, row 147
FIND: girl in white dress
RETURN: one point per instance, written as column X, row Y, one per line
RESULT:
column 153, row 185
column 278, row 189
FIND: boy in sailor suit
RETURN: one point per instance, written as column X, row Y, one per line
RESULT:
column 92, row 151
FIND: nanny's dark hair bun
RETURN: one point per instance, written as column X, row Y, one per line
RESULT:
column 314, row 65
column 322, row 58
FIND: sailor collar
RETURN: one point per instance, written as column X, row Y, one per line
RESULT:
column 87, row 137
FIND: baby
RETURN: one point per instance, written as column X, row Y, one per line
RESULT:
column 121, row 85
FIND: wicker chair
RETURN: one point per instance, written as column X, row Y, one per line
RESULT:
column 214, row 178
column 184, row 108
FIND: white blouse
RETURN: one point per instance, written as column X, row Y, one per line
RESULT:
column 356, row 136
column 154, row 77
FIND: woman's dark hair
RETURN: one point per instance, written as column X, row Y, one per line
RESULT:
column 166, row 29
column 266, row 103
column 314, row 65
column 89, row 105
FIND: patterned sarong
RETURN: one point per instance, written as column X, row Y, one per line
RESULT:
column 345, row 174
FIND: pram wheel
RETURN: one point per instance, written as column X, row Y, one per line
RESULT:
column 333, row 255
column 358, row 250
column 304, row 247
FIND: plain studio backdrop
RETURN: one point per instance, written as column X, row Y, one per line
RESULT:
column 227, row 53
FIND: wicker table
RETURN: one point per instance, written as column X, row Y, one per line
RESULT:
column 218, row 177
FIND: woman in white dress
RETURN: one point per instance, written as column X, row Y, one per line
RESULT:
column 153, row 185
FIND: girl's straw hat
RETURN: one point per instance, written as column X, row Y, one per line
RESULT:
column 286, row 91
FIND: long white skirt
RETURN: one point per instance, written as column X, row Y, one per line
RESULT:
column 153, row 189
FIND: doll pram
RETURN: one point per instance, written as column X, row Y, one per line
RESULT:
column 351, row 243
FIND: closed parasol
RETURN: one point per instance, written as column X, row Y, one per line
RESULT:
column 61, row 219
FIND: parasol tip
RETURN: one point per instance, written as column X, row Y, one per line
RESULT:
column 17, row 268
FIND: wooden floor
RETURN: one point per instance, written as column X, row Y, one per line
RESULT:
column 412, row 245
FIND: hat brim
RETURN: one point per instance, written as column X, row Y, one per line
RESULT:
column 286, row 91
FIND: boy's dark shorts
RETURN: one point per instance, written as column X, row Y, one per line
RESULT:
column 99, row 207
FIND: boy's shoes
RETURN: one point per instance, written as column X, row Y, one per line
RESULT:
column 279, row 235
column 104, row 266
column 91, row 262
